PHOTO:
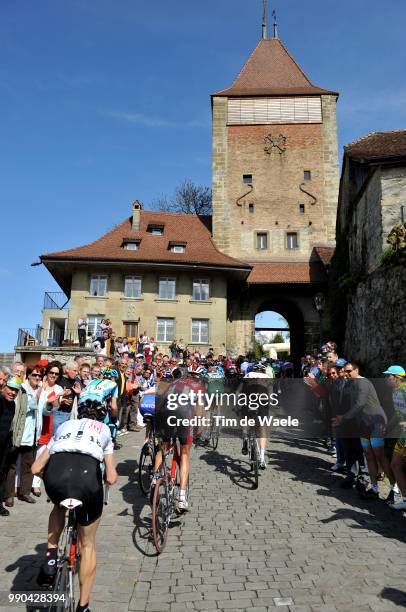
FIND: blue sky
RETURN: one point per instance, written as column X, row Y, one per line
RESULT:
column 106, row 101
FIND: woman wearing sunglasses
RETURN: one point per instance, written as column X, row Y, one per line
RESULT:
column 48, row 400
column 25, row 439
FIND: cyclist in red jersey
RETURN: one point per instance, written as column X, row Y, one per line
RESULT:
column 190, row 382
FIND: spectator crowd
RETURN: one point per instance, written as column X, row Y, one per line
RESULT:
column 366, row 422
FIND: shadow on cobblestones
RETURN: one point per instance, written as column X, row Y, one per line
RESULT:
column 239, row 471
column 371, row 515
column 396, row 596
column 27, row 568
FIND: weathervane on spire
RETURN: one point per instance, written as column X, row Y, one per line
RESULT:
column 264, row 20
column 275, row 25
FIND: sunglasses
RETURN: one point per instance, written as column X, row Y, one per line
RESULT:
column 35, row 375
column 348, row 371
column 53, row 373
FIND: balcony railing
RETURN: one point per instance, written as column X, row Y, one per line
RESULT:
column 55, row 337
column 56, row 300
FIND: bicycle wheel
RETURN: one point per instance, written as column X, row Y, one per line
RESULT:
column 146, row 468
column 254, row 461
column 61, row 589
column 214, row 435
column 161, row 509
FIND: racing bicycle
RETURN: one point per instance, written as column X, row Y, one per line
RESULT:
column 164, row 501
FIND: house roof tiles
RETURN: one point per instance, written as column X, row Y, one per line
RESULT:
column 378, row 145
column 287, row 272
column 178, row 228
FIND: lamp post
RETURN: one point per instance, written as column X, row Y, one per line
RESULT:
column 319, row 302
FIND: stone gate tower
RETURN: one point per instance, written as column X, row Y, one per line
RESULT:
column 275, row 191
column 275, row 160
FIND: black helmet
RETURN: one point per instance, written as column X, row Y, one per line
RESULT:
column 92, row 409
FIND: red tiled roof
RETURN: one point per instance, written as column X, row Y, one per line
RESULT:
column 271, row 70
column 378, row 145
column 325, row 253
column 278, row 272
column 178, row 228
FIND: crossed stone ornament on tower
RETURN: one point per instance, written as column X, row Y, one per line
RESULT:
column 275, row 142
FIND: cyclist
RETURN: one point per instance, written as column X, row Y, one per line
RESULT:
column 257, row 372
column 190, row 382
column 104, row 390
column 72, row 462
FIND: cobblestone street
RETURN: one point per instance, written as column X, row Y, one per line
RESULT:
column 297, row 543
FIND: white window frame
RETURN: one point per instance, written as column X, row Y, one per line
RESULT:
column 288, row 236
column 261, row 235
column 200, row 339
column 155, row 230
column 197, row 293
column 135, row 281
column 166, row 336
column 132, row 245
column 166, row 279
column 178, row 248
column 96, row 283
column 93, row 322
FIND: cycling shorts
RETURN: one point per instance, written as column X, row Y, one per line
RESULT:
column 77, row 476
column 370, row 442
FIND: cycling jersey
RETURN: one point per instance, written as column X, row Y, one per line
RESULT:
column 84, row 436
column 99, row 390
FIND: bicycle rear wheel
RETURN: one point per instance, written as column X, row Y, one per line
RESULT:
column 214, row 435
column 146, row 468
column 254, row 461
column 61, row 590
column 161, row 509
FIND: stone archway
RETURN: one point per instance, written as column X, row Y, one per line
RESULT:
column 293, row 315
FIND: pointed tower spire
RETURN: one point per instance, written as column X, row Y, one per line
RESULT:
column 264, row 20
column 275, row 25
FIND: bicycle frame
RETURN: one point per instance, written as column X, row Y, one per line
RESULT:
column 163, row 504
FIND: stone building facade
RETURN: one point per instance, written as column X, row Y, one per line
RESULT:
column 372, row 201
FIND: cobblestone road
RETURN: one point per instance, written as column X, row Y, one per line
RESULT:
column 298, row 543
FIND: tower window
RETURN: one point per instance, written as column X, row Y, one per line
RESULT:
column 307, row 175
column 262, row 241
column 250, row 208
column 301, row 209
column 292, row 241
column 247, row 178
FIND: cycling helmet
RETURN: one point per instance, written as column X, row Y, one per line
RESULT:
column 109, row 373
column 92, row 409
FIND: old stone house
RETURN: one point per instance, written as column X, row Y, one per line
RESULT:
column 368, row 286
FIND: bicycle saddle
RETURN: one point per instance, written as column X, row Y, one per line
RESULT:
column 71, row 503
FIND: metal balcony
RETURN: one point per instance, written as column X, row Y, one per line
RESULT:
column 56, row 300
column 40, row 337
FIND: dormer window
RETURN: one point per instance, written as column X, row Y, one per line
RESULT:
column 155, row 230
column 131, row 245
column 177, row 247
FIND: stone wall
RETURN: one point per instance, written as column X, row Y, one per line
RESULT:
column 365, row 229
column 331, row 166
column 221, row 213
column 376, row 321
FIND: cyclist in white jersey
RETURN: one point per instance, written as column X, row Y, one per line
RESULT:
column 72, row 469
